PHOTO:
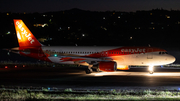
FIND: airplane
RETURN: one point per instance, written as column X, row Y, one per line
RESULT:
column 96, row 58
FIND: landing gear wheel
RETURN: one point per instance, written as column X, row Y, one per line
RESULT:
column 151, row 72
column 89, row 71
column 97, row 70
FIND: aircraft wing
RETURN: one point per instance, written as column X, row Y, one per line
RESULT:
column 82, row 59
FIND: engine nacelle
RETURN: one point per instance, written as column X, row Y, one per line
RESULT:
column 108, row 66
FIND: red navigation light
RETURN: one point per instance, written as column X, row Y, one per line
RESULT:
column 6, row 66
column 15, row 66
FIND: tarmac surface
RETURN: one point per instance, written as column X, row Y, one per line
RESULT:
column 76, row 78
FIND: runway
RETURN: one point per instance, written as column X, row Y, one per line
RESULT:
column 75, row 78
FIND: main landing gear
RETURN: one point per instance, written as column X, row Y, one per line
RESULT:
column 151, row 69
column 92, row 68
column 89, row 70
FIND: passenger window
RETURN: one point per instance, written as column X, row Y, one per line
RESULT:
column 159, row 52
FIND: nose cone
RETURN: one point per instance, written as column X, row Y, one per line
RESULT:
column 171, row 59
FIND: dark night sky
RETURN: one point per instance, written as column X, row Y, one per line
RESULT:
column 41, row 6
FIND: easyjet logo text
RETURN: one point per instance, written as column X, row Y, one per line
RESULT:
column 24, row 32
column 133, row 50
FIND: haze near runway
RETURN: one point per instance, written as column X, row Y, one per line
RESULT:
column 76, row 78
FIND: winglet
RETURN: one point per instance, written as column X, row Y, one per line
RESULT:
column 24, row 35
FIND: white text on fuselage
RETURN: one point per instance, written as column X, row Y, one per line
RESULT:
column 133, row 50
column 23, row 31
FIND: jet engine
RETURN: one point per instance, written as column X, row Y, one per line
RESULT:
column 108, row 66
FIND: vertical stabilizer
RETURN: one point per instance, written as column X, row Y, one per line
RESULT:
column 24, row 35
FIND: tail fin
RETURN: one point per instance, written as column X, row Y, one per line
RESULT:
column 24, row 35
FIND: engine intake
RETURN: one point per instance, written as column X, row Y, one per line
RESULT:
column 108, row 66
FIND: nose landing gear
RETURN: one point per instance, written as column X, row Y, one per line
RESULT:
column 151, row 69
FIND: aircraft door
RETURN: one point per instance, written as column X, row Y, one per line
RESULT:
column 149, row 53
column 104, row 53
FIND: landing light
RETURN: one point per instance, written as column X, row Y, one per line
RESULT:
column 150, row 68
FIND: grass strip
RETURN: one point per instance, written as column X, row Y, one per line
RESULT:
column 90, row 95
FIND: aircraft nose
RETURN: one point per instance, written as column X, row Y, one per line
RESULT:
column 171, row 59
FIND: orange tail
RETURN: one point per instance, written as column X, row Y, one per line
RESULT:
column 24, row 35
